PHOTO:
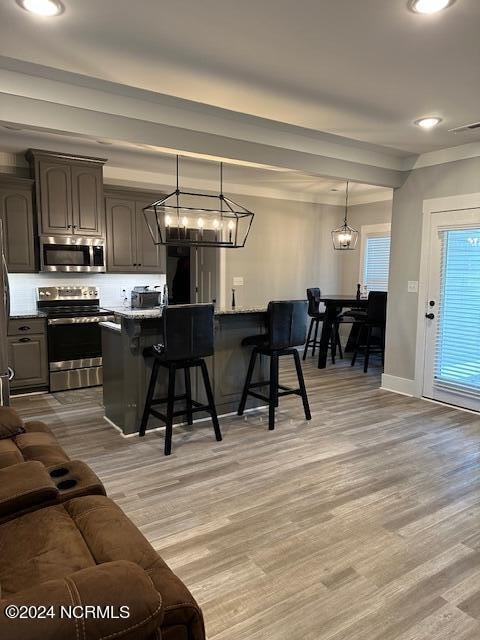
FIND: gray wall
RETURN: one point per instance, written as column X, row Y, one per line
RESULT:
column 358, row 216
column 288, row 250
column 450, row 179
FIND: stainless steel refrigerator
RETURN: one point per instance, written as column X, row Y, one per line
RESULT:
column 6, row 374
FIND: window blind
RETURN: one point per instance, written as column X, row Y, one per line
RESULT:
column 376, row 263
column 457, row 362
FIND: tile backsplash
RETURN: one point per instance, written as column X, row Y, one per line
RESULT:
column 23, row 286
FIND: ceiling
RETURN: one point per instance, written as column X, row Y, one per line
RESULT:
column 148, row 167
column 359, row 69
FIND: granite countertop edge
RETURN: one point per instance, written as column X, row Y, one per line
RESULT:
column 142, row 314
column 25, row 315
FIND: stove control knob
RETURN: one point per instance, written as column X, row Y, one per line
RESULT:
column 47, row 293
column 42, row 293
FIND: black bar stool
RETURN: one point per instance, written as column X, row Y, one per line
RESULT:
column 373, row 328
column 187, row 340
column 287, row 327
column 313, row 297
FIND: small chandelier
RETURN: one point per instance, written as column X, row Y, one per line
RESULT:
column 184, row 218
column 345, row 238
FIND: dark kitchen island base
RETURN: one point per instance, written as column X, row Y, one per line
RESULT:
column 126, row 372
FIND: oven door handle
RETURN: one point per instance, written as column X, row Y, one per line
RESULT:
column 80, row 320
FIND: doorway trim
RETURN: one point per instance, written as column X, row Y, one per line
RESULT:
column 430, row 207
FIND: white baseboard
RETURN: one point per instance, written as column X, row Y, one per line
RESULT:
column 404, row 386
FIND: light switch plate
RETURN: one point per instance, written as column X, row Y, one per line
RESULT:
column 238, row 281
column 413, row 286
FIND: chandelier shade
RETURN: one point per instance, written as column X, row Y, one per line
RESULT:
column 345, row 238
column 198, row 219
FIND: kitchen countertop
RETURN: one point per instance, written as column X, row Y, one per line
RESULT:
column 141, row 314
column 20, row 315
column 111, row 326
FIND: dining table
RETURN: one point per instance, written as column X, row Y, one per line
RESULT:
column 334, row 305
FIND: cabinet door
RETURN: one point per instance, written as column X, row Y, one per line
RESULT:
column 16, row 212
column 121, row 235
column 27, row 357
column 151, row 258
column 87, row 200
column 55, row 198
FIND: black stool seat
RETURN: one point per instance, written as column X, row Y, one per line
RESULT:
column 287, row 330
column 187, row 340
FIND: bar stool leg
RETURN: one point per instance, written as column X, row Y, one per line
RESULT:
column 170, row 406
column 149, row 398
column 356, row 347
column 317, row 324
column 307, row 344
column 339, row 342
column 248, row 382
column 273, row 391
column 367, row 350
column 301, row 384
column 211, row 401
column 188, row 393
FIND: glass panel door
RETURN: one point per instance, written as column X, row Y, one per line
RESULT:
column 452, row 365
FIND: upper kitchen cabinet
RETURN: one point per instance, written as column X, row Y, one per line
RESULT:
column 16, row 213
column 69, row 193
column 130, row 248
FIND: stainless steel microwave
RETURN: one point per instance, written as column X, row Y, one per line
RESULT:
column 72, row 253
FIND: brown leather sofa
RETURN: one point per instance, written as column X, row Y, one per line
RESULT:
column 22, row 441
column 81, row 552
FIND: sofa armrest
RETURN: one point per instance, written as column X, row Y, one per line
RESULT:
column 25, row 485
column 119, row 588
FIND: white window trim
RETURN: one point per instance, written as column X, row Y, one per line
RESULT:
column 370, row 231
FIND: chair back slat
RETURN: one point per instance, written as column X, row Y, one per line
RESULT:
column 313, row 297
column 377, row 308
column 188, row 331
column 287, row 321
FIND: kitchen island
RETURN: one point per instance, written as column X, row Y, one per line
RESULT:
column 126, row 372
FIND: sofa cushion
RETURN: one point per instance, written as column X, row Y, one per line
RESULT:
column 9, row 453
column 39, row 546
column 36, row 442
column 10, row 423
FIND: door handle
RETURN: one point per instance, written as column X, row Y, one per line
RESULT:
column 430, row 316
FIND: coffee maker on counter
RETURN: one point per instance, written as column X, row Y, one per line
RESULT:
column 146, row 297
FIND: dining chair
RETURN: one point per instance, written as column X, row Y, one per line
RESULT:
column 373, row 328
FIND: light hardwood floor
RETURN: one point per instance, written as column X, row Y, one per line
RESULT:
column 363, row 524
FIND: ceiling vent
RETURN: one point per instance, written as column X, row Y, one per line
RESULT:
column 466, row 127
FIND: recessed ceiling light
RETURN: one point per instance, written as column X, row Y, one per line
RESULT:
column 429, row 6
column 45, row 8
column 428, row 123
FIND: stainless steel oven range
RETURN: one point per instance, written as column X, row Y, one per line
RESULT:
column 73, row 335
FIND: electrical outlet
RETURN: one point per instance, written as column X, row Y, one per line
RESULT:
column 413, row 286
column 238, row 281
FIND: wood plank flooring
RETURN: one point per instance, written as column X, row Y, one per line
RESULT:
column 363, row 524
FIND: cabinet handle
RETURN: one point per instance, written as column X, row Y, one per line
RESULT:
column 24, row 340
column 24, row 328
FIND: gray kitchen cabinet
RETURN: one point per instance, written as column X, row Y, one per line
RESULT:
column 16, row 213
column 121, row 235
column 69, row 193
column 130, row 248
column 87, row 200
column 27, row 354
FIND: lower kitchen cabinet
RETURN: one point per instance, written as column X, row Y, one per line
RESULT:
column 27, row 354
